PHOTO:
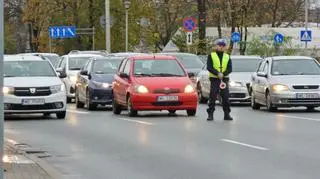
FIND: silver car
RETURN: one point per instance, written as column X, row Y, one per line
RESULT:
column 240, row 79
column 286, row 81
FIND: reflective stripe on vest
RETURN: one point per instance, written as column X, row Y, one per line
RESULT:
column 217, row 64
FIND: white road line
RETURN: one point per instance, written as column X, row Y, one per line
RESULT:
column 76, row 111
column 136, row 121
column 243, row 144
column 297, row 117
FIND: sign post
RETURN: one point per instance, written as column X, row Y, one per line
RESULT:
column 189, row 25
column 278, row 39
column 189, row 38
column 61, row 32
column 1, row 86
column 306, row 36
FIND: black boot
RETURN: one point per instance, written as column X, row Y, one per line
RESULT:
column 227, row 117
column 210, row 116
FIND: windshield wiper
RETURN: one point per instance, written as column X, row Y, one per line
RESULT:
column 142, row 74
column 75, row 68
column 9, row 76
column 165, row 74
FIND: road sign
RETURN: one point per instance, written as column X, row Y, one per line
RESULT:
column 278, row 38
column 61, row 32
column 189, row 24
column 306, row 36
column 235, row 37
column 189, row 38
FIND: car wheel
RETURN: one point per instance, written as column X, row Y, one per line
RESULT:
column 89, row 105
column 172, row 112
column 201, row 99
column 131, row 111
column 79, row 104
column 269, row 104
column 254, row 105
column 69, row 100
column 116, row 108
column 191, row 112
column 61, row 115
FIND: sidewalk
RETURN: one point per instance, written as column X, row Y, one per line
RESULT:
column 17, row 166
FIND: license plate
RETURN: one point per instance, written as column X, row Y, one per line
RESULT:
column 307, row 95
column 32, row 101
column 167, row 98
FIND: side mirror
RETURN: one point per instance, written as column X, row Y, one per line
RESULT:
column 62, row 75
column 262, row 74
column 191, row 74
column 84, row 72
column 124, row 75
column 89, row 76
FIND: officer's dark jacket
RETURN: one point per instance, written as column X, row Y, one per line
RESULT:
column 214, row 71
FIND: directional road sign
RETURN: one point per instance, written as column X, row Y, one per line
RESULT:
column 278, row 38
column 61, row 32
column 189, row 38
column 189, row 24
column 235, row 37
column 306, row 36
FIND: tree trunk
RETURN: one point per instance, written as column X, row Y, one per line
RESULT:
column 274, row 13
column 202, row 26
column 91, row 22
column 76, row 22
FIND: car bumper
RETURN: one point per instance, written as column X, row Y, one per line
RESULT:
column 149, row 102
column 53, row 103
column 290, row 99
column 239, row 94
column 101, row 96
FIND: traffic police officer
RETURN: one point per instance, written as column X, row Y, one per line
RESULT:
column 219, row 66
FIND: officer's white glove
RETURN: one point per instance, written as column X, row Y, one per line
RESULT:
column 220, row 75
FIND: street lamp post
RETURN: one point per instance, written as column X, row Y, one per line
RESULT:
column 1, row 86
column 306, row 19
column 126, row 6
column 108, row 39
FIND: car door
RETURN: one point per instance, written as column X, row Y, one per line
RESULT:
column 63, row 66
column 84, row 81
column 125, row 82
column 117, row 84
column 264, row 82
column 205, row 82
column 256, row 82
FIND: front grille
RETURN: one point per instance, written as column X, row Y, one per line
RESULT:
column 46, row 106
column 32, row 91
column 311, row 100
column 305, row 86
column 167, row 91
column 237, row 95
column 167, row 103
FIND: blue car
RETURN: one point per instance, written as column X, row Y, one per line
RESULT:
column 94, row 82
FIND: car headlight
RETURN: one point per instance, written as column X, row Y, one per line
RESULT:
column 235, row 84
column 279, row 88
column 141, row 89
column 101, row 85
column 189, row 89
column 73, row 78
column 7, row 90
column 57, row 88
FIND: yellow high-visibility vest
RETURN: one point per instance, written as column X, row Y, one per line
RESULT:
column 217, row 64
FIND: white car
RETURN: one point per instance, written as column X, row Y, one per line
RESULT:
column 71, row 65
column 31, row 85
column 52, row 57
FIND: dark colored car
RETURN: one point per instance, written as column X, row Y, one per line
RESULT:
column 94, row 82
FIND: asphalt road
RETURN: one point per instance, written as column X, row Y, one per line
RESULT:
column 99, row 145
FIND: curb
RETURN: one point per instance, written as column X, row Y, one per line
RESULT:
column 51, row 171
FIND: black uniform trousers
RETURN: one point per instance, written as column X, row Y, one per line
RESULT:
column 224, row 93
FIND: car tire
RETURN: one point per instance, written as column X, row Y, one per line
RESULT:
column 69, row 100
column 191, row 112
column 89, row 105
column 201, row 99
column 172, row 112
column 116, row 108
column 79, row 104
column 269, row 104
column 131, row 111
column 254, row 105
column 61, row 115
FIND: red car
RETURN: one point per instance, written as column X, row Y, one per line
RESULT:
column 153, row 83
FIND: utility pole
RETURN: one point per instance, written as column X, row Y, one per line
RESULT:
column 202, row 25
column 306, row 19
column 108, row 39
column 1, row 86
column 126, row 6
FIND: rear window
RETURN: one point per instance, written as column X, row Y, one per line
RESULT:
column 189, row 61
column 76, row 63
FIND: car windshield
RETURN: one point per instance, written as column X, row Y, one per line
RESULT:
column 295, row 67
column 76, row 63
column 28, row 68
column 245, row 65
column 161, row 67
column 53, row 59
column 106, row 66
column 190, row 61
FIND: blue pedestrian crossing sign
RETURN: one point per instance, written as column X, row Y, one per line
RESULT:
column 306, row 35
column 235, row 37
column 278, row 38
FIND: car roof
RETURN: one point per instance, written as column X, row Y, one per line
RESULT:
column 245, row 57
column 177, row 53
column 84, row 55
column 22, row 58
column 126, row 54
column 291, row 58
column 46, row 54
column 109, row 58
column 155, row 57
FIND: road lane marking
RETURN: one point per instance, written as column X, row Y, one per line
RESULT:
column 76, row 111
column 243, row 144
column 297, row 117
column 136, row 121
